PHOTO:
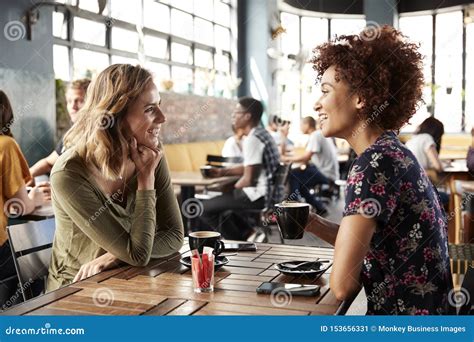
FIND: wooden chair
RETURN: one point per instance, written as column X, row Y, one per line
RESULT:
column 31, row 244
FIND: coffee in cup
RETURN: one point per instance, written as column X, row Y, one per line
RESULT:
column 292, row 218
column 198, row 240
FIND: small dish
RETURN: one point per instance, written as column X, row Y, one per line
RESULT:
column 310, row 269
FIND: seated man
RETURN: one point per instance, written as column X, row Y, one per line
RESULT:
column 75, row 98
column 320, row 164
column 260, row 162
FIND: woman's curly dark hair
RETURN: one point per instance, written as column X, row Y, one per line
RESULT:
column 382, row 67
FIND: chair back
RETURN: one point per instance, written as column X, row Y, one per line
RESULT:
column 220, row 161
column 31, row 244
column 466, row 295
column 280, row 178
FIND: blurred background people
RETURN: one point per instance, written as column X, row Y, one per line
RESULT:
column 75, row 99
column 260, row 162
column 14, row 198
column 320, row 165
column 233, row 145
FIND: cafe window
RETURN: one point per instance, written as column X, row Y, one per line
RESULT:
column 447, row 53
column 175, row 39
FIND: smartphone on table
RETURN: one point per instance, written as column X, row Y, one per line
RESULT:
column 293, row 289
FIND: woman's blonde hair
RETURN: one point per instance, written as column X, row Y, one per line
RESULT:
column 99, row 136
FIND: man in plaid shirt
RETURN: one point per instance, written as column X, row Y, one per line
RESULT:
column 260, row 162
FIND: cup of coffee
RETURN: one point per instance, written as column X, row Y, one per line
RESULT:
column 198, row 240
column 292, row 218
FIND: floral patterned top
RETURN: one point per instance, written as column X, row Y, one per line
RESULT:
column 407, row 270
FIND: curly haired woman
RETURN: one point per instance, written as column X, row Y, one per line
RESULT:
column 112, row 193
column 393, row 236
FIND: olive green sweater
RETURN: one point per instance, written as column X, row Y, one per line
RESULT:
column 89, row 223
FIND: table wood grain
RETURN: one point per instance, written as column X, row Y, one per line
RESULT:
column 164, row 287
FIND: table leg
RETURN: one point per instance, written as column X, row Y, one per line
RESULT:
column 187, row 192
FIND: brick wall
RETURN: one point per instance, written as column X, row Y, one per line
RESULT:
column 193, row 118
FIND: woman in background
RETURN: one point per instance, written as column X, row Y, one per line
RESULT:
column 425, row 144
column 14, row 198
column 112, row 193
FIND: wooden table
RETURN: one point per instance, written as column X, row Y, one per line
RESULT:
column 164, row 287
column 188, row 182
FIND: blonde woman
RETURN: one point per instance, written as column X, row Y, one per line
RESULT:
column 112, row 193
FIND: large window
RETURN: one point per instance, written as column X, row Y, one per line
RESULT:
column 191, row 43
column 296, row 77
column 443, row 94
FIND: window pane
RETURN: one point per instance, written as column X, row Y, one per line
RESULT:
column 314, row 31
column 59, row 25
column 419, row 29
column 88, row 31
column 290, row 40
column 124, row 40
column 156, row 16
column 124, row 60
column 203, row 32
column 290, row 94
column 89, row 5
column 222, row 13
column 183, row 79
column 185, row 5
column 156, row 47
column 161, row 72
column 222, row 63
column 448, row 75
column 204, row 82
column 222, row 38
column 181, row 53
column 469, row 91
column 220, row 85
column 346, row 26
column 181, row 24
column 88, row 63
column 203, row 8
column 125, row 10
column 203, row 58
column 61, row 62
